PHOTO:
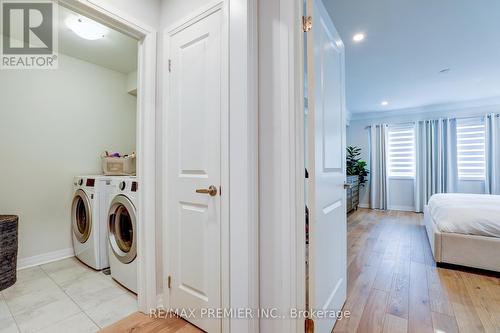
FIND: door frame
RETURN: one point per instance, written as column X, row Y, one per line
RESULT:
column 171, row 31
column 282, row 156
column 110, row 16
column 239, row 155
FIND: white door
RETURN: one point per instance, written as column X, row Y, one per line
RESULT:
column 326, row 166
column 194, row 166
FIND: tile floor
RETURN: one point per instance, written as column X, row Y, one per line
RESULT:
column 63, row 296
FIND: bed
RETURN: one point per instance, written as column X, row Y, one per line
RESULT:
column 464, row 229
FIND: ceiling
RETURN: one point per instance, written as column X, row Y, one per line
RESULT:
column 115, row 51
column 407, row 44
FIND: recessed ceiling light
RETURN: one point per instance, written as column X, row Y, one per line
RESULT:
column 384, row 103
column 358, row 37
column 86, row 28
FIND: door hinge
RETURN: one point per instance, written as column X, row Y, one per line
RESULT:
column 307, row 23
column 169, row 282
column 309, row 325
column 169, row 66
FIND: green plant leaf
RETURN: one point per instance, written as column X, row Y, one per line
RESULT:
column 355, row 166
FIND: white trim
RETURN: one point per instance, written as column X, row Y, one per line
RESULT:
column 296, row 71
column 45, row 258
column 401, row 208
column 281, row 156
column 225, row 167
column 363, row 205
column 102, row 11
column 146, row 137
column 243, row 253
column 146, row 173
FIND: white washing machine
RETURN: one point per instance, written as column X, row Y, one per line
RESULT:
column 122, row 233
column 89, row 210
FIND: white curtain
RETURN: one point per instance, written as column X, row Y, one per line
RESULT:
column 378, row 166
column 492, row 184
column 436, row 159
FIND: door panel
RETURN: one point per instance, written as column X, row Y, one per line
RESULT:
column 331, row 88
column 192, row 234
column 325, row 134
column 194, row 135
column 194, row 162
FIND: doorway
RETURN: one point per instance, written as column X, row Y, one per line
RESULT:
column 141, row 122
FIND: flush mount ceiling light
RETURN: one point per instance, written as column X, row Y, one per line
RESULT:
column 86, row 28
column 358, row 37
column 384, row 103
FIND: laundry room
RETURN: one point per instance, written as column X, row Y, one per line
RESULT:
column 68, row 184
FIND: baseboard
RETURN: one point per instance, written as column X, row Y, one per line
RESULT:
column 402, row 208
column 45, row 258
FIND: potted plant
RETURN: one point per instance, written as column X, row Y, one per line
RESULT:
column 355, row 166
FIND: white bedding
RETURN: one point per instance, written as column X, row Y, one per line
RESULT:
column 470, row 214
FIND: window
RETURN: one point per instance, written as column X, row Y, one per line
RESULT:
column 471, row 149
column 402, row 151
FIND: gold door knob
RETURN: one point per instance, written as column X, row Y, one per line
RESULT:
column 211, row 190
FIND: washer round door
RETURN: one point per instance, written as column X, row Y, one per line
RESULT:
column 81, row 216
column 122, row 229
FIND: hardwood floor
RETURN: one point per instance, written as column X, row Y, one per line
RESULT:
column 394, row 285
column 141, row 323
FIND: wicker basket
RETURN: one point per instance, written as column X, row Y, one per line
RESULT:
column 8, row 250
column 118, row 166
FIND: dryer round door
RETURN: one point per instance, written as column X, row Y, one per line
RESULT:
column 122, row 227
column 81, row 216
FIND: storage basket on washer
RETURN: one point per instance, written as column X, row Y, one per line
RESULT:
column 119, row 166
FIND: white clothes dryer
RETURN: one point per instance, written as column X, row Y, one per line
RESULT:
column 122, row 233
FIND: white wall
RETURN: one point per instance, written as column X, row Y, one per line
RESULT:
column 54, row 124
column 401, row 190
column 131, row 83
column 146, row 11
column 174, row 10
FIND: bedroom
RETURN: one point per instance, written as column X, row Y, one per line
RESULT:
column 423, row 101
